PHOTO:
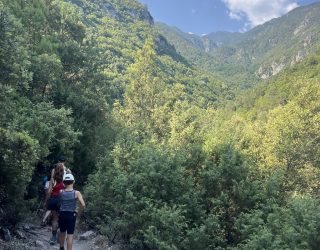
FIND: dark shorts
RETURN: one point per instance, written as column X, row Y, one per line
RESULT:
column 53, row 204
column 67, row 221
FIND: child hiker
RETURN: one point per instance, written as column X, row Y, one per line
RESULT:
column 67, row 216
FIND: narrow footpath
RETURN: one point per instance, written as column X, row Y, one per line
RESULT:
column 31, row 236
column 44, row 235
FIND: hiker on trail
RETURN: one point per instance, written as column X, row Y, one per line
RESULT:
column 68, row 214
column 46, row 182
column 62, row 160
column 56, row 185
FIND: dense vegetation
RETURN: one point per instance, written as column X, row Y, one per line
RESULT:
column 167, row 157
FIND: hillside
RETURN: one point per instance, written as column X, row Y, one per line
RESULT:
column 65, row 67
column 244, row 59
column 280, row 89
column 165, row 155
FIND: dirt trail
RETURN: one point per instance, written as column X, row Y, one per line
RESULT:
column 44, row 235
column 34, row 237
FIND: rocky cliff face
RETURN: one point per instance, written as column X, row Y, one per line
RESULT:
column 142, row 14
column 264, row 72
column 209, row 45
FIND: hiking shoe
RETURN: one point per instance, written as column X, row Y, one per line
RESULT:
column 53, row 240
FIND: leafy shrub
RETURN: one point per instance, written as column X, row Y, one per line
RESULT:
column 145, row 202
column 18, row 154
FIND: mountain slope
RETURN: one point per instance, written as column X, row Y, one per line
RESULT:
column 282, row 88
column 199, row 51
column 282, row 41
column 190, row 46
column 243, row 59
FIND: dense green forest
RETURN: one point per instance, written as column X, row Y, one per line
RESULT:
column 169, row 156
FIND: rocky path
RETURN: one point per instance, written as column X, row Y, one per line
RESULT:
column 44, row 235
column 31, row 236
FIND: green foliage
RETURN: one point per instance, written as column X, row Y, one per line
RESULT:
column 51, row 127
column 174, row 159
column 18, row 154
column 229, row 188
column 126, row 11
column 164, row 222
column 148, row 198
column 29, row 132
column 47, row 70
column 14, row 57
column 207, row 235
column 292, row 227
column 145, row 92
column 231, row 161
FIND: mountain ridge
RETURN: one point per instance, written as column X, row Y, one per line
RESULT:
column 245, row 58
column 118, row 9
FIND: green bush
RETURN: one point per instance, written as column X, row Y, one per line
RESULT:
column 145, row 200
column 18, row 155
column 293, row 227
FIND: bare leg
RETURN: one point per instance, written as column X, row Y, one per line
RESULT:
column 55, row 218
column 62, row 238
column 55, row 226
column 69, row 241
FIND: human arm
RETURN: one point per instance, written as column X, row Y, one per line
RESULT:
column 82, row 203
column 80, row 198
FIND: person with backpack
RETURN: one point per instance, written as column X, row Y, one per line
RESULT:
column 53, row 204
column 68, row 215
column 46, row 182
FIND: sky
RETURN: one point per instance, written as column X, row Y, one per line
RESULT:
column 205, row 16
